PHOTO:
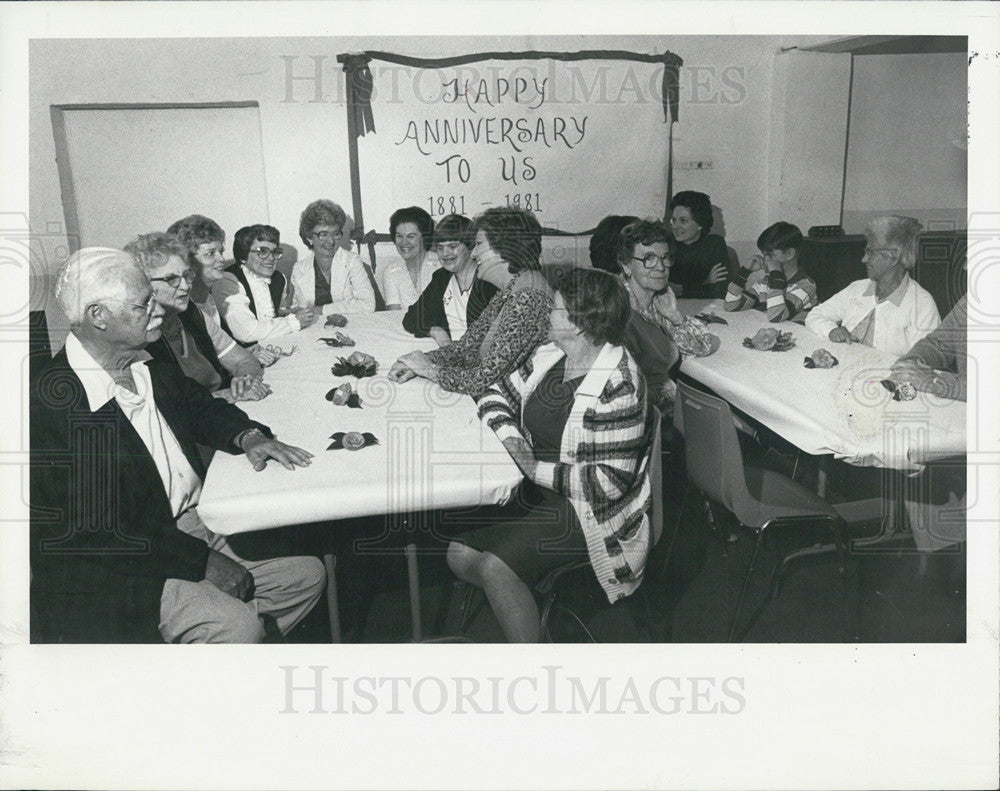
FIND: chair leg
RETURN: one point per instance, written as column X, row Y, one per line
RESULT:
column 852, row 624
column 543, row 626
column 647, row 610
column 672, row 539
column 473, row 596
column 574, row 618
column 758, row 541
column 413, row 575
column 332, row 605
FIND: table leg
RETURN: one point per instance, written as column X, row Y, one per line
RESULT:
column 332, row 605
column 413, row 574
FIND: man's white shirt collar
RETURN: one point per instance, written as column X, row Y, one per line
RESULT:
column 97, row 383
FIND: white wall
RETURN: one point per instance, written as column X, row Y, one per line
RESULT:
column 724, row 114
column 808, row 137
column 906, row 113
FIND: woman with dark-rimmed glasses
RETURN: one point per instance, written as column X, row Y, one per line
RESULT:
column 329, row 278
column 253, row 306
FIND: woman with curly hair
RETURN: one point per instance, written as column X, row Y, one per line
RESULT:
column 206, row 242
column 329, row 277
column 507, row 252
column 402, row 280
column 578, row 424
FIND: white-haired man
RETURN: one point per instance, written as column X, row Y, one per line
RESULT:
column 118, row 553
column 888, row 310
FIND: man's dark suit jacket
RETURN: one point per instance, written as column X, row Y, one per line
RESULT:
column 103, row 535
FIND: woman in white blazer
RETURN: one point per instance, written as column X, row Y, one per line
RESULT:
column 328, row 276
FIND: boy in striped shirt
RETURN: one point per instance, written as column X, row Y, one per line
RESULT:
column 773, row 282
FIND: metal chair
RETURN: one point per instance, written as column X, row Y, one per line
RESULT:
column 758, row 498
column 546, row 589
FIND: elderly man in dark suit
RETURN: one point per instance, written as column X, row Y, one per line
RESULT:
column 118, row 553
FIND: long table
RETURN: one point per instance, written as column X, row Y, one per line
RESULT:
column 433, row 452
column 843, row 411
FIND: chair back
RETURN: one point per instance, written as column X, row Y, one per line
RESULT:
column 656, row 481
column 39, row 345
column 379, row 300
column 712, row 452
column 940, row 267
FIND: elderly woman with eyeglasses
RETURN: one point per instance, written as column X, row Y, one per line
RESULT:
column 640, row 252
column 253, row 304
column 888, row 310
column 329, row 278
column 455, row 297
column 402, row 280
column 201, row 349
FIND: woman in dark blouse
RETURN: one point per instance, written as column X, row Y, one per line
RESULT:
column 701, row 260
column 455, row 297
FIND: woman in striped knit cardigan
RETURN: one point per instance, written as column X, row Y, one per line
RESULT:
column 576, row 420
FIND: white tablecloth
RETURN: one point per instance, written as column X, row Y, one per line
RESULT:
column 433, row 451
column 844, row 411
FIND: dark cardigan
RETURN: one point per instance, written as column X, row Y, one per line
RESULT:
column 428, row 310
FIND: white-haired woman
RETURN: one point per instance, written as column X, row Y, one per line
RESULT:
column 200, row 347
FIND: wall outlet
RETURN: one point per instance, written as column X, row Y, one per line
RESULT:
column 695, row 164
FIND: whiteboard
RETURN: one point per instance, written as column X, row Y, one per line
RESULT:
column 572, row 141
column 138, row 169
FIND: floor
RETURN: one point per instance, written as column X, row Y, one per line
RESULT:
column 893, row 594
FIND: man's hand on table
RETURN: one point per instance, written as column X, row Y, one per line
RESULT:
column 925, row 379
column 259, row 448
column 247, row 388
column 229, row 576
column 841, row 335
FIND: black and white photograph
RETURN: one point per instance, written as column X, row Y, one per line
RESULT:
column 490, row 390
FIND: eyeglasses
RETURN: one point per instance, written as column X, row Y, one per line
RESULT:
column 870, row 250
column 148, row 307
column 652, row 259
column 325, row 236
column 448, row 247
column 267, row 252
column 174, row 281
